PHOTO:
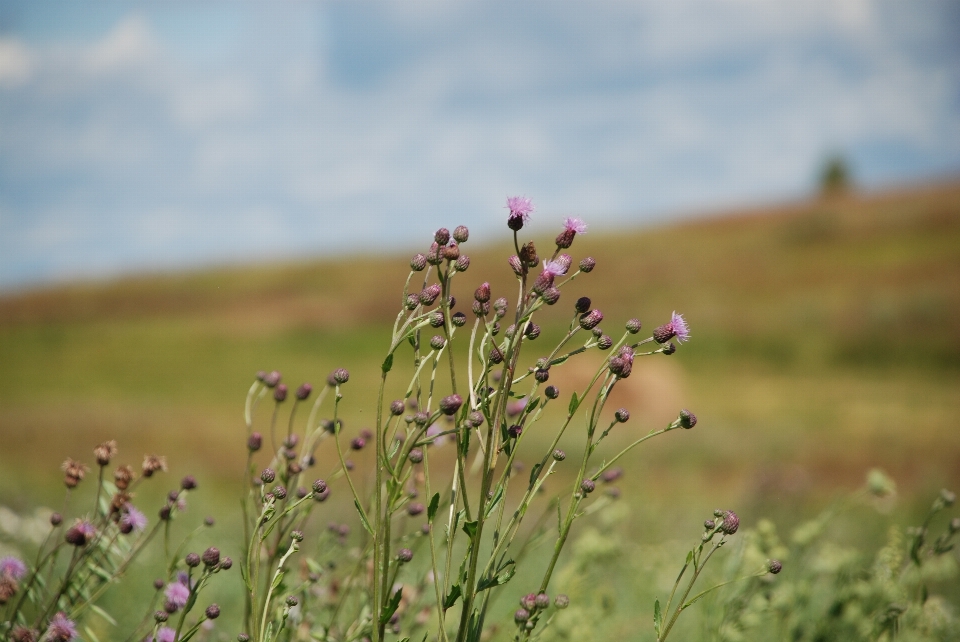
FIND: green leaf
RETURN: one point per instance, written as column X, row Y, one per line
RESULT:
column 535, row 471
column 452, row 597
column 510, row 569
column 387, row 364
column 106, row 616
column 532, row 405
column 363, row 517
column 90, row 634
column 432, row 510
column 493, row 502
column 246, row 577
column 269, row 632
column 277, row 579
column 470, row 528
column 574, row 404
column 391, row 607
column 657, row 618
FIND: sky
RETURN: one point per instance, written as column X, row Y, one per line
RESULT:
column 169, row 135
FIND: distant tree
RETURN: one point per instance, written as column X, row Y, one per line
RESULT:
column 835, row 176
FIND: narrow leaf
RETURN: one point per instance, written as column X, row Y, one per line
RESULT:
column 277, row 579
column 510, row 569
column 493, row 502
column 106, row 616
column 363, row 517
column 470, row 528
column 391, row 607
column 434, row 505
column 387, row 364
column 657, row 618
column 452, row 598
column 574, row 404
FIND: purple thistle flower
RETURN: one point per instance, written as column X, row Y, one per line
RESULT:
column 556, row 268
column 676, row 328
column 177, row 594
column 520, row 208
column 574, row 225
column 135, row 518
column 166, row 634
column 435, row 430
column 61, row 628
column 12, row 567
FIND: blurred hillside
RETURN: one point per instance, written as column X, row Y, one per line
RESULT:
column 825, row 342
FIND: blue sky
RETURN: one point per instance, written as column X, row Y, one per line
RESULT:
column 166, row 134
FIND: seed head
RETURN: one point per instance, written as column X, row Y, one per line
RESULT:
column 418, row 262
column 588, row 485
column 73, row 472
column 687, row 419
column 451, row 404
column 461, row 234
column 591, row 319
column 341, row 375
column 105, row 451
column 528, row 255
column 152, row 464
column 774, row 566
column 730, row 523
column 404, row 555
column 452, row 252
column 268, row 475
column 604, row 342
column 622, row 415
column 211, row 556
column 442, row 236
column 122, row 477
column 296, row 536
column 212, row 612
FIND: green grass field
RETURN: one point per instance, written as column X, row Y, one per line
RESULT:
column 826, row 342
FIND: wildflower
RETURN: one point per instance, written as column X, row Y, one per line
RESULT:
column 73, row 471
column 429, row 294
column 461, row 234
column 319, row 486
column 357, row 443
column 676, row 328
column 122, row 477
column 459, row 319
column 61, row 629
column 12, row 567
column 451, row 252
column 434, row 254
column 605, row 342
column 515, row 430
column 571, row 227
column 177, row 594
column 520, row 209
column 23, row 634
column 528, row 254
column 590, row 320
column 153, row 463
column 279, row 492
column 437, row 342
column 80, row 533
column 565, row 260
column 134, row 518
column 166, row 634
column 105, row 451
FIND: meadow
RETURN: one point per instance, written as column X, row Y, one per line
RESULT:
column 825, row 344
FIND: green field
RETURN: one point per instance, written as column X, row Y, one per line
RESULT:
column 826, row 342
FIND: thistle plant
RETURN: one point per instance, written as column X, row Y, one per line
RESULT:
column 438, row 564
column 88, row 550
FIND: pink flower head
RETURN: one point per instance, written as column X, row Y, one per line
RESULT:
column 575, row 225
column 177, row 594
column 514, row 408
column 166, row 634
column 433, row 431
column 61, row 628
column 520, row 206
column 135, row 518
column 12, row 567
column 556, row 268
column 679, row 326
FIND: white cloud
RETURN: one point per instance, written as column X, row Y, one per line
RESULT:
column 16, row 64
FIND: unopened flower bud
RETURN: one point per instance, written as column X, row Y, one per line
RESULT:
column 415, row 456
column 533, row 330
column 511, row 330
column 396, row 407
column 291, row 601
column 56, row 519
column 404, row 555
column 211, row 556
column 411, row 302
column 319, row 486
column 633, row 326
column 948, row 497
column 522, row 615
column 192, row 560
column 561, row 601
column 709, row 525
column 516, row 265
column 587, row 264
column 212, row 612
column 357, row 443
column 551, row 295
column 435, row 254
column 542, row 282
column 418, row 262
column 559, row 455
column 475, row 418
column 341, row 375
column 437, row 342
column 543, row 601
column 597, row 332
column 954, row 525
column 500, row 305
column 588, row 485
column 442, row 236
column 612, row 474
column 421, row 418
column 774, row 566
column 461, row 234
column 452, row 253
column 304, row 391
column 160, row 616
column 451, row 404
column 529, row 601
column 495, row 355
column 604, row 342
column 436, row 319
column 481, row 309
column 515, row 430
column 459, row 319
column 268, row 475
column 429, row 294
column 552, row 392
column 541, row 375
column 296, row 536
column 272, row 379
column 669, row 349
column 687, row 419
column 243, row 637
column 188, row 483
column 591, row 319
column 730, row 523
column 582, row 304
column 622, row 415
column 415, row 509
